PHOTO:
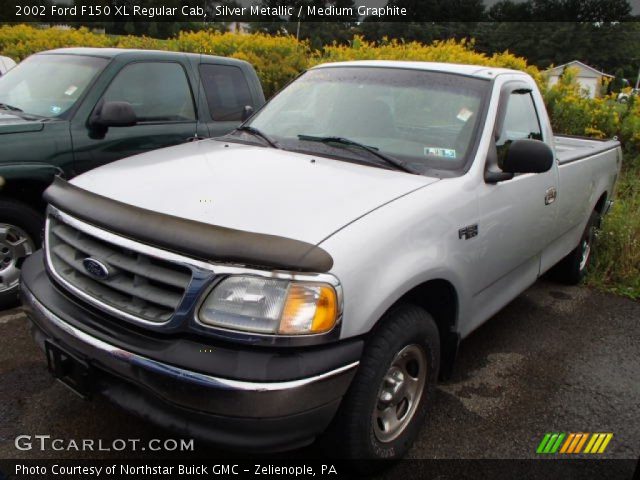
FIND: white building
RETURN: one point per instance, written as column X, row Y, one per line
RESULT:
column 588, row 77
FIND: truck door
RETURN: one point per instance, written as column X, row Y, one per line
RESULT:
column 517, row 216
column 163, row 102
column 227, row 92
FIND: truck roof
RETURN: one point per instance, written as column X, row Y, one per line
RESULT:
column 478, row 71
column 138, row 53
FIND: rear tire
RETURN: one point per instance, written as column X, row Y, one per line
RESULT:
column 388, row 400
column 573, row 268
column 20, row 235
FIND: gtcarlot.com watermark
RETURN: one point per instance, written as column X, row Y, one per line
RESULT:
column 44, row 443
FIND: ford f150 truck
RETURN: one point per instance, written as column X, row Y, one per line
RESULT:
column 316, row 270
column 69, row 110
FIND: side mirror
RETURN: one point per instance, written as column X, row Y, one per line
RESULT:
column 247, row 111
column 113, row 114
column 527, row 156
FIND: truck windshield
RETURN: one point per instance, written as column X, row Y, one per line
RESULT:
column 48, row 85
column 425, row 119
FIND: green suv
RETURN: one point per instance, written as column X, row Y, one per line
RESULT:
column 66, row 111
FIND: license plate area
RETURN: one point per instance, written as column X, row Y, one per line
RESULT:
column 70, row 370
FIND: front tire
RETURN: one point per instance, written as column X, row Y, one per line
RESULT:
column 573, row 268
column 388, row 400
column 20, row 231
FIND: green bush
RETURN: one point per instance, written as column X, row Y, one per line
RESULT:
column 572, row 112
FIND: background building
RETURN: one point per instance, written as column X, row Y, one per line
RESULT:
column 590, row 78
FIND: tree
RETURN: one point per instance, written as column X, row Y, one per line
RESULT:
column 580, row 10
column 618, row 83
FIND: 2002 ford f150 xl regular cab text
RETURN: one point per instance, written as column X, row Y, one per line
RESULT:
column 315, row 271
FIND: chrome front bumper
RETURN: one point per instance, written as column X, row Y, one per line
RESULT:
column 220, row 396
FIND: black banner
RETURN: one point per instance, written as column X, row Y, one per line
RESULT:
column 584, row 469
column 74, row 11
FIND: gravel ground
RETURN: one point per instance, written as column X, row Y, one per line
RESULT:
column 558, row 358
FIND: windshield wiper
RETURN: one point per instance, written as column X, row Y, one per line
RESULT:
column 399, row 164
column 258, row 133
column 4, row 106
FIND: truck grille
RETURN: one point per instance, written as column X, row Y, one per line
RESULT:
column 138, row 284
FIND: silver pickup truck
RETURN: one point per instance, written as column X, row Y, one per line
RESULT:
column 315, row 270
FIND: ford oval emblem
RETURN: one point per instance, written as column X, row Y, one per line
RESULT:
column 96, row 268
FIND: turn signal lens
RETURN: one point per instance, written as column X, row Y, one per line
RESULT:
column 310, row 308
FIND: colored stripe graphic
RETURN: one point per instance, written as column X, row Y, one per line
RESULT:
column 598, row 442
column 581, row 443
column 572, row 443
column 578, row 442
column 556, row 446
column 605, row 442
column 543, row 443
column 566, row 445
column 550, row 443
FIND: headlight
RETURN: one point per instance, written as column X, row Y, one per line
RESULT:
column 271, row 306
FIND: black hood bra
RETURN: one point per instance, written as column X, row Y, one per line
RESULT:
column 188, row 237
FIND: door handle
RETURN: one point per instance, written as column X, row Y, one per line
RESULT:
column 550, row 195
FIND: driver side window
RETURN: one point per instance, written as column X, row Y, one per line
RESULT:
column 158, row 92
column 521, row 119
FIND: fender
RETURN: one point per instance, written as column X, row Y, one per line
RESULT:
column 415, row 242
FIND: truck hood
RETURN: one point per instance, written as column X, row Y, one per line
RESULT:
column 251, row 188
column 10, row 123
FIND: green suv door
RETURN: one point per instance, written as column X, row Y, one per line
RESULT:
column 161, row 97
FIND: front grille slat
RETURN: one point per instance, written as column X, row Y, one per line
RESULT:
column 148, row 288
column 90, row 247
column 123, row 284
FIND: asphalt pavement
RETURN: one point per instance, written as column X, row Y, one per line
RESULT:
column 557, row 359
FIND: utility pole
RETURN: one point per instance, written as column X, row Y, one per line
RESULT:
column 299, row 20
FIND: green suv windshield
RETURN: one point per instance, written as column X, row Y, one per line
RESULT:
column 48, row 85
column 423, row 119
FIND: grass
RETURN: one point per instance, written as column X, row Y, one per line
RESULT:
column 616, row 266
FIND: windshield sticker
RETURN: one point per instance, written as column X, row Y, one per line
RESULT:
column 440, row 152
column 71, row 90
column 56, row 109
column 464, row 114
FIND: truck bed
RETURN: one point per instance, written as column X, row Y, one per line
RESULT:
column 571, row 148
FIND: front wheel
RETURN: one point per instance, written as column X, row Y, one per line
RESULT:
column 20, row 227
column 388, row 400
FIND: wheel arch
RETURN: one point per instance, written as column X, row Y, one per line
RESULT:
column 27, row 190
column 600, row 207
column 440, row 298
column 602, row 201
